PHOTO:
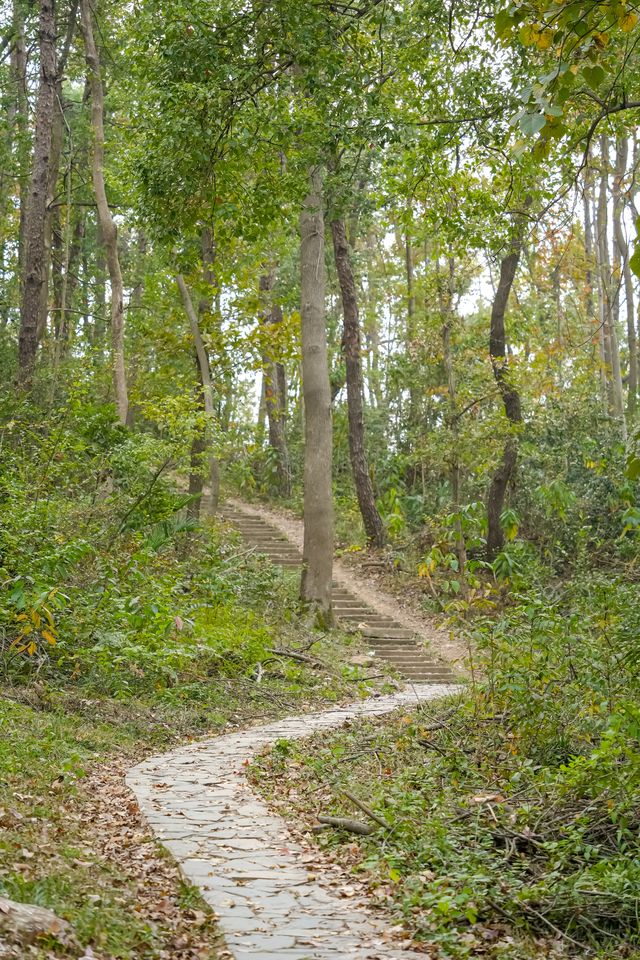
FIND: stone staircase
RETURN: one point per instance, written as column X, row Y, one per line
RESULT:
column 388, row 639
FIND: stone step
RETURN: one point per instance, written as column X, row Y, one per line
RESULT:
column 274, row 554
column 397, row 642
column 341, row 611
column 389, row 633
column 351, row 603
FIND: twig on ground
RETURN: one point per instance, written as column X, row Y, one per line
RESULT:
column 365, row 809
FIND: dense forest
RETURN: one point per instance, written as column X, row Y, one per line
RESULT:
column 370, row 267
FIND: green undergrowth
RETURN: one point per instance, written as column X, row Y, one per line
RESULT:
column 514, row 812
column 125, row 627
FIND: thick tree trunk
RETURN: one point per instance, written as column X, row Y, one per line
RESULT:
column 351, row 346
column 508, row 392
column 607, row 315
column 206, row 387
column 275, row 391
column 36, row 213
column 108, row 228
column 315, row 588
column 622, row 156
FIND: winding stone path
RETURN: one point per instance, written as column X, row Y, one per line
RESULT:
column 199, row 803
column 387, row 638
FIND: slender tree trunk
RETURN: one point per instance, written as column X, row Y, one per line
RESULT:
column 36, row 212
column 508, row 392
column 351, row 345
column 19, row 124
column 206, row 385
column 622, row 156
column 315, row 588
column 612, row 352
column 453, row 420
column 275, row 391
column 587, row 192
column 204, row 307
column 107, row 224
column 57, row 142
column 372, row 331
column 411, row 335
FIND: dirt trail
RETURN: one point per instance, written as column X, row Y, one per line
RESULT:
column 441, row 643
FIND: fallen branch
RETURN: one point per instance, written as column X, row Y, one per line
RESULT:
column 352, row 826
column 365, row 809
column 301, row 657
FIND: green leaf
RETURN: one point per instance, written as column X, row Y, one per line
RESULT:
column 634, row 262
column 593, row 75
column 532, row 123
column 504, row 23
column 633, row 468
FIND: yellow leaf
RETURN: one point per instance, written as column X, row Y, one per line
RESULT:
column 31, row 648
column 21, row 616
column 529, row 35
column 544, row 39
column 37, row 619
column 49, row 617
column 628, row 22
column 49, row 637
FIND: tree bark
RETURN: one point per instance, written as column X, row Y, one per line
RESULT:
column 315, row 587
column 275, row 392
column 36, row 211
column 206, row 381
column 622, row 156
column 206, row 387
column 107, row 224
column 587, row 191
column 453, row 421
column 351, row 346
column 607, row 318
column 18, row 116
column 508, row 392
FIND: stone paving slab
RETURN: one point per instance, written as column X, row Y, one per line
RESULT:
column 249, row 869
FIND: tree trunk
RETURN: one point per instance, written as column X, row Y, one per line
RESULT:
column 607, row 318
column 207, row 389
column 36, row 211
column 196, row 457
column 18, row 116
column 108, row 228
column 508, row 392
column 315, row 587
column 204, row 307
column 275, row 392
column 57, row 141
column 622, row 155
column 588, row 245
column 351, row 345
column 453, row 420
